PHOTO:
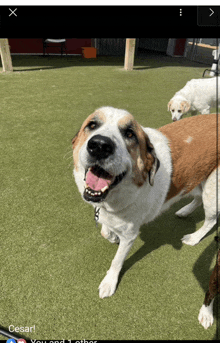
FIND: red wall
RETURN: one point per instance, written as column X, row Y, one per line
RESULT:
column 35, row 46
column 180, row 46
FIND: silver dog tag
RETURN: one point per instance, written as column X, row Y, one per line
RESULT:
column 96, row 216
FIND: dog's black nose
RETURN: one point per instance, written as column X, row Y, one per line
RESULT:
column 100, row 147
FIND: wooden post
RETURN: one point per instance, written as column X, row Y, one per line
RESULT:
column 129, row 53
column 93, row 43
column 5, row 55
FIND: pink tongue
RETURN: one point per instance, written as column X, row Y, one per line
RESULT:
column 96, row 183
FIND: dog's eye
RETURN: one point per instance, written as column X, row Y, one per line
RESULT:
column 92, row 125
column 179, row 111
column 129, row 133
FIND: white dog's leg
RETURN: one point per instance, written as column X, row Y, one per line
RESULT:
column 186, row 210
column 206, row 315
column 195, row 238
column 109, row 283
column 209, row 204
column 206, row 110
column 108, row 234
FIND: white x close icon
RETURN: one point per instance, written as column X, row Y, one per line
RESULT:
column 13, row 12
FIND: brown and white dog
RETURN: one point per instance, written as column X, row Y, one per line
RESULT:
column 133, row 174
column 206, row 312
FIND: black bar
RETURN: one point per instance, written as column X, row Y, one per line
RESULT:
column 100, row 21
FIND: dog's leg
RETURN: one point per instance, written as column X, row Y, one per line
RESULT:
column 109, row 283
column 186, row 210
column 195, row 238
column 206, row 110
column 109, row 235
column 206, row 315
column 209, row 204
column 206, row 312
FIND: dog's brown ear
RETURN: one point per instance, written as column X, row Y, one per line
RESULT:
column 185, row 106
column 155, row 164
column 145, row 162
column 168, row 105
column 74, row 139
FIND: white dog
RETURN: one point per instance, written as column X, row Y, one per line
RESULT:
column 131, row 174
column 197, row 95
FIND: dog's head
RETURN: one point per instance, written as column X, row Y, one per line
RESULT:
column 178, row 107
column 111, row 151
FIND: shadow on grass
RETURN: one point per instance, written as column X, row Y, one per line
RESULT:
column 169, row 229
column 148, row 60
column 166, row 229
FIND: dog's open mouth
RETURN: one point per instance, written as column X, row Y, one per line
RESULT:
column 98, row 182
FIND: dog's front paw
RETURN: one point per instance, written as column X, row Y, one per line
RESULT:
column 190, row 239
column 205, row 317
column 107, row 286
column 181, row 213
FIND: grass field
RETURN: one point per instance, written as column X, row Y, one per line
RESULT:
column 52, row 255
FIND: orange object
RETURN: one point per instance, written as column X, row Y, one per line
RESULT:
column 89, row 52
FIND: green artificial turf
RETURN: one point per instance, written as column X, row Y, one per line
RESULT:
column 52, row 255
